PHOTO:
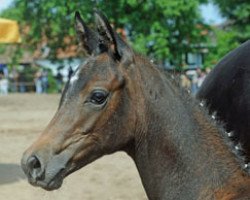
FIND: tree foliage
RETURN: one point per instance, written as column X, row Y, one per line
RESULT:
column 225, row 42
column 238, row 14
column 162, row 29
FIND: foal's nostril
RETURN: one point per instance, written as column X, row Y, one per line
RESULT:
column 33, row 163
column 34, row 167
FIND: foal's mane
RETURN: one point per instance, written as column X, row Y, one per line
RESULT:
column 194, row 103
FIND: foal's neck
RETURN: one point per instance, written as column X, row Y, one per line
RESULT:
column 179, row 150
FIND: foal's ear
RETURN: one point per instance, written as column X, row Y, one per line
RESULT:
column 110, row 40
column 86, row 37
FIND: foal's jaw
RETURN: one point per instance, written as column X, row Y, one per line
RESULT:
column 47, row 167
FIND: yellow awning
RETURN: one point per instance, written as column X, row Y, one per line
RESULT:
column 9, row 31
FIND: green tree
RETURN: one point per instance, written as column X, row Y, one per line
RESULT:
column 162, row 29
column 225, row 42
column 238, row 14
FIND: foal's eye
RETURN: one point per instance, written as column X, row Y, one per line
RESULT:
column 98, row 97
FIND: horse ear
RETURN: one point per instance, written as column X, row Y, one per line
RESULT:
column 107, row 41
column 110, row 40
column 87, row 38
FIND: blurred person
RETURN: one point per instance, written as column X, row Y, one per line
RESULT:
column 207, row 70
column 59, row 81
column 194, row 83
column 4, row 70
column 38, row 82
column 13, row 77
column 4, row 79
column 45, row 81
column 201, row 78
column 21, row 82
column 1, row 69
column 3, row 84
column 185, row 81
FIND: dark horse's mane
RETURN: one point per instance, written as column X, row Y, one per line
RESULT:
column 226, row 92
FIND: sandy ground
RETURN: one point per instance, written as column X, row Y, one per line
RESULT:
column 22, row 118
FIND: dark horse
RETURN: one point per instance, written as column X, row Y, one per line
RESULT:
column 118, row 100
column 226, row 91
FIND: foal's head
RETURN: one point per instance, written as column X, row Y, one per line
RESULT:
column 95, row 116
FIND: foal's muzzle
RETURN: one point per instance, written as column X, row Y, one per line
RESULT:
column 46, row 174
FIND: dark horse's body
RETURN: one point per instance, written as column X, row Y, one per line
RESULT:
column 226, row 91
column 117, row 100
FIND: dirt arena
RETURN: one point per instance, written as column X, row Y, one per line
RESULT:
column 22, row 118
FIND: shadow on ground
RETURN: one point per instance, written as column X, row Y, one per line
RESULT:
column 10, row 173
